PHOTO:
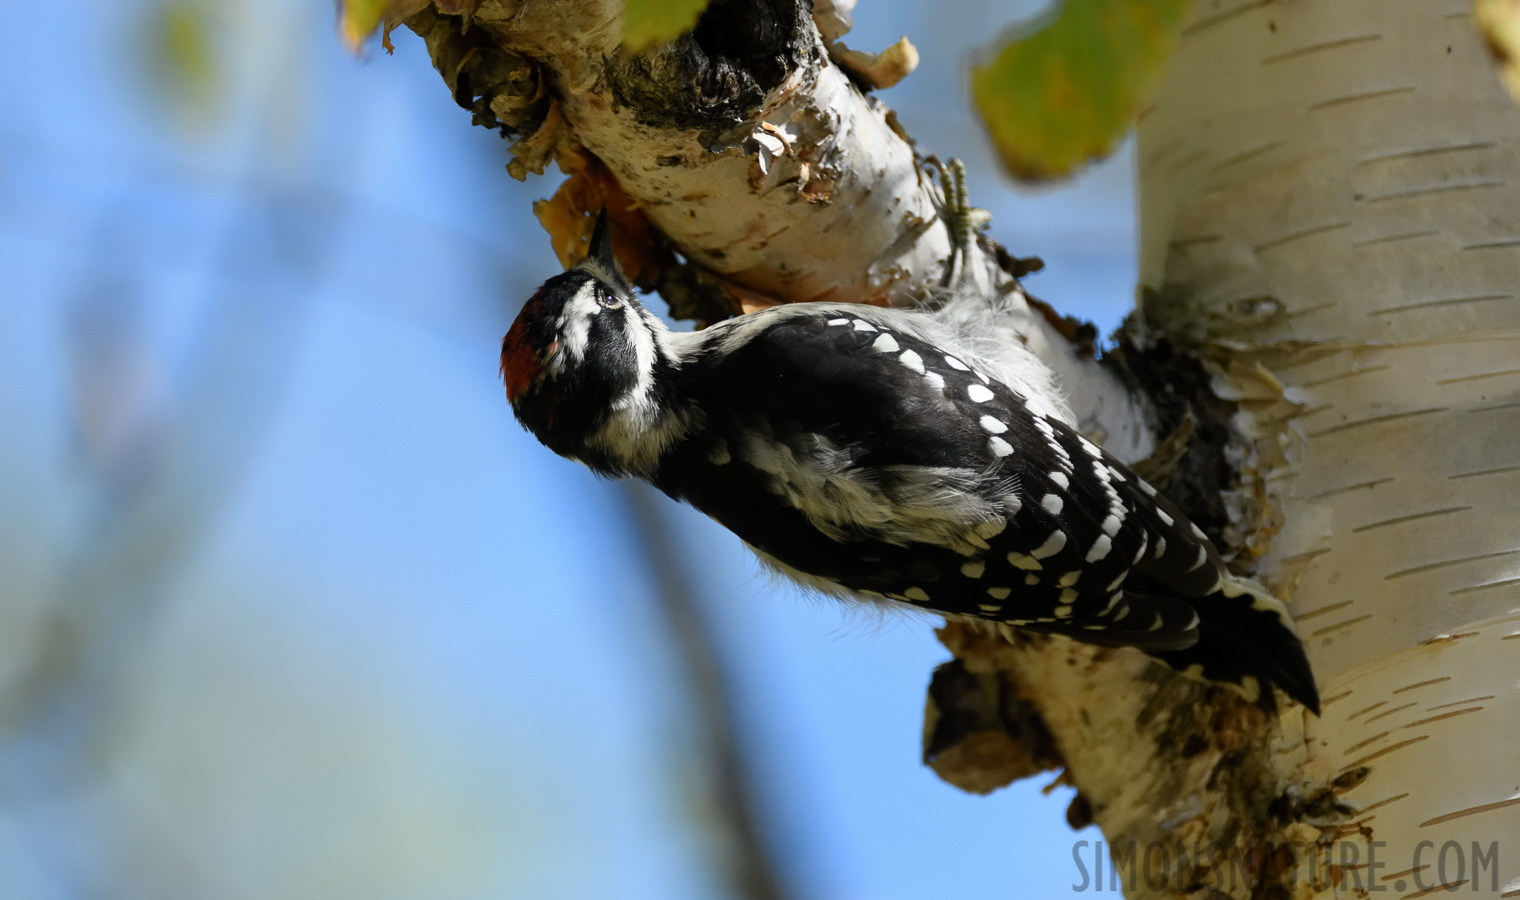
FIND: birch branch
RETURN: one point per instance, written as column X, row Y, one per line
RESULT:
column 751, row 152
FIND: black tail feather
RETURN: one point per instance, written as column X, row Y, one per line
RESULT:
column 1240, row 642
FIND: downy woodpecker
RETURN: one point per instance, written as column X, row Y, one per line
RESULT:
column 897, row 456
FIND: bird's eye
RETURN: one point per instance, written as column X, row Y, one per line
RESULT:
column 608, row 299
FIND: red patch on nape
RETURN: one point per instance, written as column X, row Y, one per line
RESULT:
column 521, row 363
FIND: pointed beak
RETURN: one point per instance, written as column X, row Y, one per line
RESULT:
column 600, row 251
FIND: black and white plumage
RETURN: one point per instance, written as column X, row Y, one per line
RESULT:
column 892, row 455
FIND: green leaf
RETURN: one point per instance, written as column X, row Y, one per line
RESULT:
column 1064, row 90
column 649, row 22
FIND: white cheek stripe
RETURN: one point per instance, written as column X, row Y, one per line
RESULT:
column 575, row 322
column 642, row 337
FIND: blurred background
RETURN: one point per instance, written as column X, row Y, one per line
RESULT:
column 289, row 605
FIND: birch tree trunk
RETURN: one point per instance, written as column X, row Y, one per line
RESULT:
column 1330, row 226
column 1330, row 192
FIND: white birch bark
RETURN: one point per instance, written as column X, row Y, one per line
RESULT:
column 1333, row 190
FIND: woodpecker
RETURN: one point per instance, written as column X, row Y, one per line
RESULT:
column 905, row 457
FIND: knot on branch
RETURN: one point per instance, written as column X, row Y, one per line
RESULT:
column 980, row 734
column 721, row 70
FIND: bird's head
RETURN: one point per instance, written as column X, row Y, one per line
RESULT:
column 582, row 351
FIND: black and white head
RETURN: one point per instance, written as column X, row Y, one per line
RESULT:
column 581, row 362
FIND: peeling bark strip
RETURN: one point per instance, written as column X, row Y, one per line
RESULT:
column 502, row 89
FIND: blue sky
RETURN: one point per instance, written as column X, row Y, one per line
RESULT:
column 389, row 646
